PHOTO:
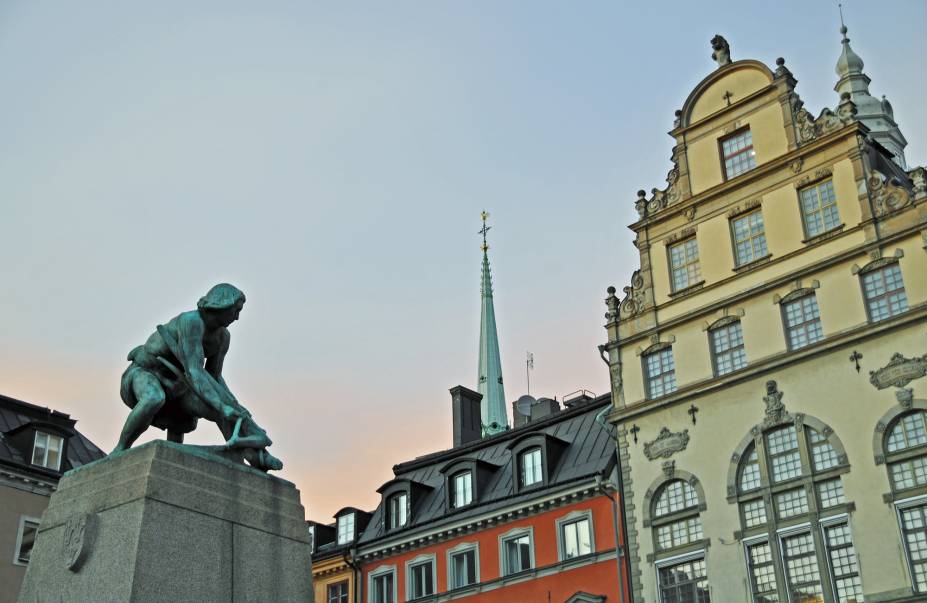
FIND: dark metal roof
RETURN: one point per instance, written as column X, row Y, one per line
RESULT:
column 16, row 414
column 590, row 451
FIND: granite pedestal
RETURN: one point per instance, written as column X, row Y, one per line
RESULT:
column 168, row 522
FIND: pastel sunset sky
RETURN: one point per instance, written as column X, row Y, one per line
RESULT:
column 332, row 162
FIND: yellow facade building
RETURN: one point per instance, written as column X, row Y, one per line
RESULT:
column 767, row 359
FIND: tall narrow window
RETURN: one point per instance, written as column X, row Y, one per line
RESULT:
column 463, row 567
column 382, row 587
column 346, row 528
column 398, row 509
column 421, row 579
column 727, row 348
column 531, row 468
column 801, row 567
column 905, row 449
column 25, row 539
column 843, row 564
column 884, row 292
column 749, row 238
column 684, row 581
column 659, row 372
column 914, row 535
column 338, row 592
column 802, row 321
column 685, row 269
column 737, row 153
column 47, row 450
column 819, row 208
column 762, row 573
column 463, row 489
column 575, row 537
column 517, row 554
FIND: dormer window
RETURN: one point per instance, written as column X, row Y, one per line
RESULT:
column 346, row 528
column 46, row 452
column 463, row 489
column 398, row 510
column 531, row 467
column 737, row 153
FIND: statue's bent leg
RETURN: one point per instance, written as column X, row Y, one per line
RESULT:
column 150, row 398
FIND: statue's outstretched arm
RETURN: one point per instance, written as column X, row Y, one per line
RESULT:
column 190, row 353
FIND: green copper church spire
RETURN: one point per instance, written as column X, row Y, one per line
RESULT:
column 492, row 407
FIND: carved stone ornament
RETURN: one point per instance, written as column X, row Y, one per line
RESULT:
column 669, row 468
column 666, row 444
column 720, row 50
column 918, row 177
column 633, row 302
column 905, row 397
column 888, row 194
column 795, row 166
column 79, row 533
column 775, row 409
column 810, row 128
column 899, row 371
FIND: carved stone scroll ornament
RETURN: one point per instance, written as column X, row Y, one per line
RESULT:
column 899, row 371
column 810, row 128
column 633, row 301
column 888, row 194
column 775, row 409
column 666, row 444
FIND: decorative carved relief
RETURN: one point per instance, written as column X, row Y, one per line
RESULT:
column 720, row 50
column 744, row 207
column 810, row 128
column 634, row 297
column 669, row 468
column 78, row 539
column 685, row 233
column 899, row 371
column 918, row 177
column 795, row 166
column 775, row 409
column 666, row 444
column 888, row 194
column 660, row 199
column 905, row 397
column 690, row 213
column 819, row 174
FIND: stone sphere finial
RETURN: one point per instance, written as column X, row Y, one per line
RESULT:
column 780, row 61
column 642, row 193
column 611, row 290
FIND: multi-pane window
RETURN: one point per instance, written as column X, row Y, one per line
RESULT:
column 463, row 489
column 830, row 493
column 914, row 534
column 686, row 581
column 737, row 153
column 685, row 269
column 463, row 568
column 843, row 565
column 727, row 348
column 749, row 238
column 531, row 467
column 346, row 528
column 819, row 208
column 884, row 292
column 823, row 455
column 381, row 588
column 47, row 450
column 762, row 573
column 576, row 538
column 516, row 554
column 659, row 372
column 337, row 593
column 676, row 520
column 397, row 510
column 750, row 472
column 802, row 321
column 782, row 447
column 801, row 567
column 421, row 579
column 906, row 469
column 791, row 503
column 754, row 513
column 28, row 530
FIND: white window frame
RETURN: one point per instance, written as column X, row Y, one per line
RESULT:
column 48, row 438
column 675, row 560
column 511, row 535
column 421, row 560
column 539, row 466
column 456, row 488
column 23, row 519
column 403, row 519
column 463, row 547
column 572, row 517
column 350, row 535
column 382, row 570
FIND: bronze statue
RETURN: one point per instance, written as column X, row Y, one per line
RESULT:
column 175, row 379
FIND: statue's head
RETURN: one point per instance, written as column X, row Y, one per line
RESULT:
column 223, row 301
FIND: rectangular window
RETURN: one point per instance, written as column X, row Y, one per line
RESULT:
column 47, row 450
column 914, row 535
column 737, row 153
column 801, row 567
column 685, row 269
column 791, row 503
column 749, row 238
column 843, row 565
column 913, row 432
column 762, row 572
column 679, row 533
column 516, row 552
column 819, row 208
column 338, row 593
column 823, row 455
column 802, row 321
column 686, row 581
column 25, row 540
column 576, row 538
column 531, row 468
column 754, row 513
column 830, row 493
column 381, row 588
column 421, row 580
column 660, row 373
column 910, row 473
column 727, row 348
column 463, row 568
column 884, row 292
column 398, row 510
column 346, row 528
column 463, row 489
column 782, row 447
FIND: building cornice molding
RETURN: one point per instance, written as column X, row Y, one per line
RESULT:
column 26, row 483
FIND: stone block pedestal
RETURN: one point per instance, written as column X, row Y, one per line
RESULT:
column 167, row 522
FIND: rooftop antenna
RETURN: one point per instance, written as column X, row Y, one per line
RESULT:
column 840, row 8
column 529, row 364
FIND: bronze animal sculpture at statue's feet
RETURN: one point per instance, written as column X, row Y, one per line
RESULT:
column 175, row 379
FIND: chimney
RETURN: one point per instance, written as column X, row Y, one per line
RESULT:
column 466, row 417
column 543, row 408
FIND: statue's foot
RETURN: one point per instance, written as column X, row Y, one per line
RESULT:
column 268, row 462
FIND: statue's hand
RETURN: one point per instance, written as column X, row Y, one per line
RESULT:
column 230, row 413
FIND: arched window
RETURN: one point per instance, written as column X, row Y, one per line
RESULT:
column 675, row 516
column 785, row 478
